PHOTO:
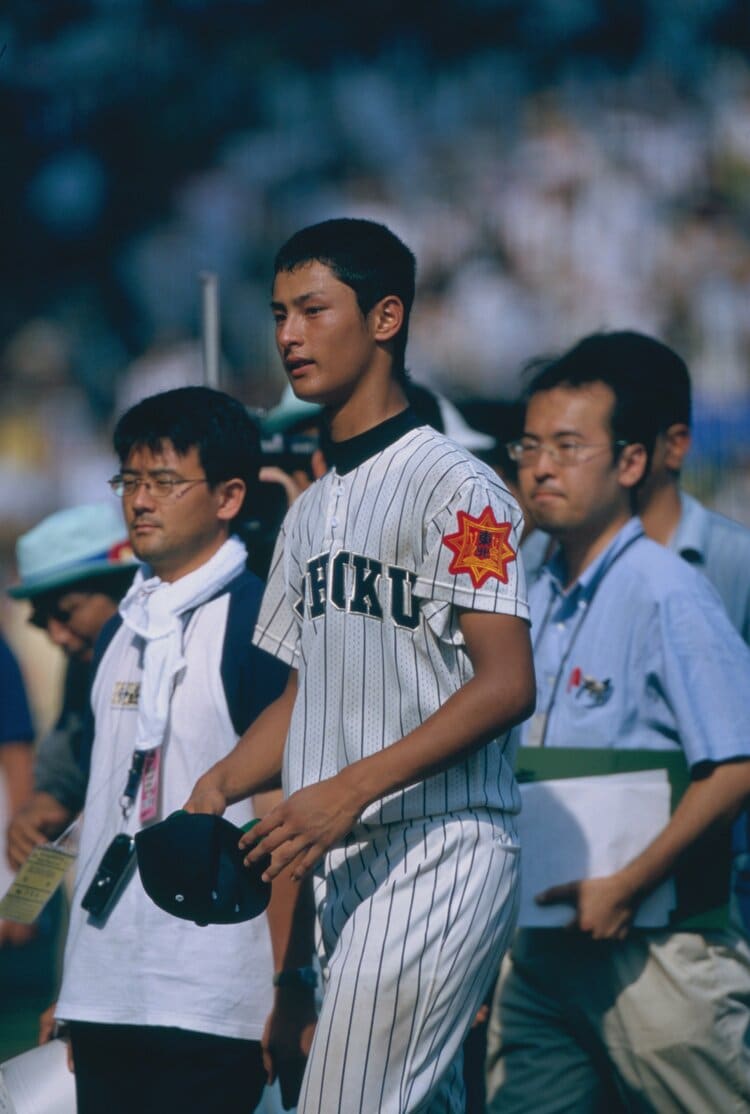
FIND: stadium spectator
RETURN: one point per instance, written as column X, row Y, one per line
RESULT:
column 75, row 566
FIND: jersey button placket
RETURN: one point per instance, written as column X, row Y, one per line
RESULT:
column 335, row 510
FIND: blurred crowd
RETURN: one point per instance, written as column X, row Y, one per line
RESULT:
column 557, row 168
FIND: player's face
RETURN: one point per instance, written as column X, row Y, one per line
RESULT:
column 74, row 619
column 177, row 532
column 327, row 346
column 590, row 491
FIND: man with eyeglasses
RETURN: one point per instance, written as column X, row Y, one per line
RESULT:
column 164, row 1014
column 632, row 649
column 74, row 567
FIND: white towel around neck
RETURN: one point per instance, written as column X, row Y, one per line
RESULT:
column 154, row 610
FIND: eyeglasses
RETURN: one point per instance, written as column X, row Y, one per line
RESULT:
column 565, row 452
column 159, row 487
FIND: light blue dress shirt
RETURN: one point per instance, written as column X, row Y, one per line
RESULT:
column 720, row 548
column 639, row 652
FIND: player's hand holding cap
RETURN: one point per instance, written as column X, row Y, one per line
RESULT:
column 191, row 866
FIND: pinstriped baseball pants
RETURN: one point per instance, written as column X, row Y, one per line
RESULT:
column 412, row 922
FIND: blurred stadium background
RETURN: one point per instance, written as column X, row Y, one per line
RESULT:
column 557, row 165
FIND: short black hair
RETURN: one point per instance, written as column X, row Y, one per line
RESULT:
column 217, row 425
column 661, row 376
column 649, row 380
column 364, row 255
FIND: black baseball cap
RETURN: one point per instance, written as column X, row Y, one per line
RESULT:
column 191, row 866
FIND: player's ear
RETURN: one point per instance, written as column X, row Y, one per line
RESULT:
column 386, row 317
column 677, row 437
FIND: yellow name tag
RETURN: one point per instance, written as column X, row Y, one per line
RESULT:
column 35, row 884
column 125, row 694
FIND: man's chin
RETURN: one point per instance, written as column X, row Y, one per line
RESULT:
column 548, row 522
column 140, row 547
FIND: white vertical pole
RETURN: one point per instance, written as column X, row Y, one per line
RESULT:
column 210, row 319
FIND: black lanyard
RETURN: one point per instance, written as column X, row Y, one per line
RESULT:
column 135, row 773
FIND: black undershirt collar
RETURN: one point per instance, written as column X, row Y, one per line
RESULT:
column 347, row 455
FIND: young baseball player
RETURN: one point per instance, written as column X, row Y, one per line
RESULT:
column 396, row 597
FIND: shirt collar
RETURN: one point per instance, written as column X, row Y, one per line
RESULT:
column 347, row 455
column 690, row 539
column 592, row 575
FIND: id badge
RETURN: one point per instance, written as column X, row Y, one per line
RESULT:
column 537, row 728
column 150, row 786
column 36, row 882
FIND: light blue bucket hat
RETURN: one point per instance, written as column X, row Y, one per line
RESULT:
column 288, row 412
column 71, row 545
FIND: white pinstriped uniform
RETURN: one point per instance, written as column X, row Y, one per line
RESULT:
column 415, row 910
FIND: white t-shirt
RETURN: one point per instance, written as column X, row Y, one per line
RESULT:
column 143, row 966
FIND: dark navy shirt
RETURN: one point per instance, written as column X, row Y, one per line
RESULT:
column 15, row 718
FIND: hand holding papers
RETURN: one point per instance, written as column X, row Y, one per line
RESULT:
column 596, row 839
column 590, row 827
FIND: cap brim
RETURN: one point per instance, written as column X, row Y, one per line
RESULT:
column 38, row 586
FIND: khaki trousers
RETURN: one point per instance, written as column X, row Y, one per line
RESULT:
column 659, row 1022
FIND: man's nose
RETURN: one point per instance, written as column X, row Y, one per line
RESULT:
column 289, row 331
column 545, row 461
column 142, row 497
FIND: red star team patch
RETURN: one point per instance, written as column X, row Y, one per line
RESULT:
column 481, row 547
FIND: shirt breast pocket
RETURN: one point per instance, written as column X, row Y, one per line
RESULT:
column 590, row 710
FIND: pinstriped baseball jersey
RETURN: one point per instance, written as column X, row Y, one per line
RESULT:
column 369, row 571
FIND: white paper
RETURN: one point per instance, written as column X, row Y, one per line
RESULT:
column 588, row 827
column 38, row 1082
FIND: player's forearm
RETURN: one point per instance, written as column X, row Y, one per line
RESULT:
column 291, row 923
column 708, row 805
column 254, row 766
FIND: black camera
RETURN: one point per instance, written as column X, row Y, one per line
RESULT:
column 112, row 873
column 291, row 452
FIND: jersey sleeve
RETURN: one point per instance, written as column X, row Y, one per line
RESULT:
column 278, row 628
column 15, row 717
column 470, row 555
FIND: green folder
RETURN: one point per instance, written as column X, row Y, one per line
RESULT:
column 702, row 879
